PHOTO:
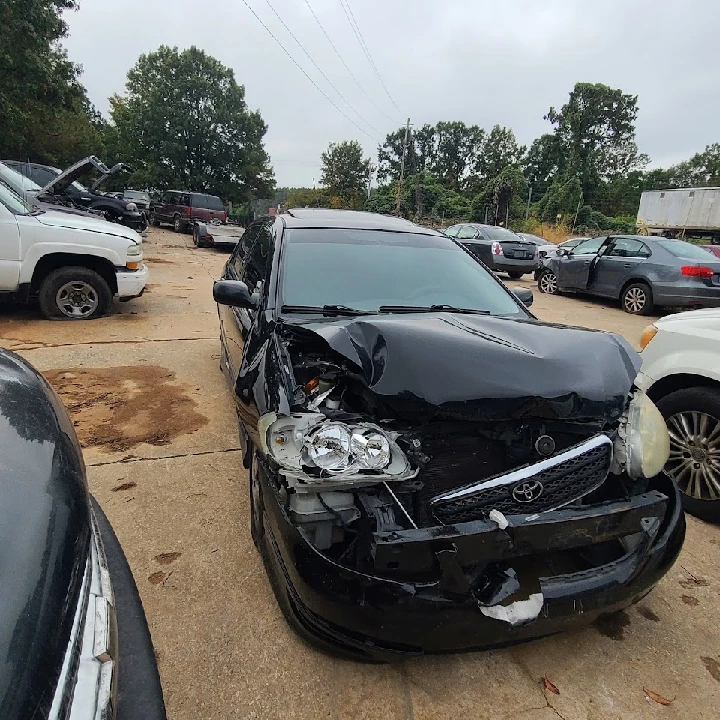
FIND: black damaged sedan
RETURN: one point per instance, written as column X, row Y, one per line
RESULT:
column 431, row 467
column 74, row 642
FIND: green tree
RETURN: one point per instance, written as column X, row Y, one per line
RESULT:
column 702, row 169
column 499, row 150
column 495, row 202
column 596, row 134
column 184, row 122
column 542, row 163
column 561, row 199
column 345, row 172
column 44, row 111
column 458, row 147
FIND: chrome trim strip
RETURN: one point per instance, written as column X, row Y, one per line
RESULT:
column 527, row 472
column 76, row 630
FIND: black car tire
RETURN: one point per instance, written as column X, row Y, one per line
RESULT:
column 703, row 400
column 97, row 291
column 153, row 220
column 196, row 238
column 178, row 226
column 515, row 275
column 257, row 507
column 139, row 692
column 636, row 299
column 547, row 282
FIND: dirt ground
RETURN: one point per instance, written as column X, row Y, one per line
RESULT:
column 157, row 425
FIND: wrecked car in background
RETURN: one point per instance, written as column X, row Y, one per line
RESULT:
column 62, row 188
column 431, row 467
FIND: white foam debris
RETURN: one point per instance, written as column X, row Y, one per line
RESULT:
column 518, row 612
column 497, row 517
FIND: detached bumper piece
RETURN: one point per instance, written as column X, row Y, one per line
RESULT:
column 476, row 584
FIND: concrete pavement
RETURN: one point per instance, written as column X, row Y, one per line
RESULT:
column 161, row 445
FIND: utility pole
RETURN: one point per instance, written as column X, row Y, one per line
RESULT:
column 402, row 168
column 572, row 229
column 371, row 168
column 527, row 209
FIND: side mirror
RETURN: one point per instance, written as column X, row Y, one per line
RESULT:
column 524, row 295
column 234, row 293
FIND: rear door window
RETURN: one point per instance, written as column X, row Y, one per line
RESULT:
column 627, row 247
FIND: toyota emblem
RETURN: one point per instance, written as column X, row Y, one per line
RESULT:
column 527, row 491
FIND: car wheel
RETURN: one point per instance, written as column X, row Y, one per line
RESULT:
column 74, row 293
column 196, row 237
column 547, row 282
column 515, row 275
column 257, row 526
column 177, row 224
column 153, row 220
column 637, row 299
column 693, row 420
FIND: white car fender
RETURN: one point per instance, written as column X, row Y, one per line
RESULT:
column 38, row 250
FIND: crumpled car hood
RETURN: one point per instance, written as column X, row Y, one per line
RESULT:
column 479, row 367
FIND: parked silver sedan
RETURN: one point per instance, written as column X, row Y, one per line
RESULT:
column 642, row 272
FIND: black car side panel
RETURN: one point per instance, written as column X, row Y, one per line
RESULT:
column 44, row 536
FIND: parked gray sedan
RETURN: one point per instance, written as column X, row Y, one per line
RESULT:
column 500, row 249
column 642, row 272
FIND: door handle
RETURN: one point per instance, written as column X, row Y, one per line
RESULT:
column 587, row 262
column 627, row 265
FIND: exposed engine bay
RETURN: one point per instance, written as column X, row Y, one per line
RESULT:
column 352, row 463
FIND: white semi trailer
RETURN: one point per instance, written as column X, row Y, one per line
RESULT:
column 683, row 212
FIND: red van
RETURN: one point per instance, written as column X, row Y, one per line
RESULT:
column 181, row 208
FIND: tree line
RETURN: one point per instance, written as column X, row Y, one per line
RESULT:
column 585, row 173
column 182, row 121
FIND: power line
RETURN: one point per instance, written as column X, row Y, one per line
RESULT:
column 358, row 34
column 319, row 69
column 299, row 67
column 342, row 60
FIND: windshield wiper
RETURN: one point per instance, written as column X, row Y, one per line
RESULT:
column 36, row 211
column 330, row 310
column 429, row 308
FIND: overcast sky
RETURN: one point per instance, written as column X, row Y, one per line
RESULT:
column 480, row 61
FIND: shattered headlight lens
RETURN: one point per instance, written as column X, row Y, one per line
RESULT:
column 371, row 449
column 646, row 442
column 329, row 446
column 304, row 442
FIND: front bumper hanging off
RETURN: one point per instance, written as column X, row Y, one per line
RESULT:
column 447, row 588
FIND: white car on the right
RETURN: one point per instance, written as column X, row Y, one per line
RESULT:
column 681, row 374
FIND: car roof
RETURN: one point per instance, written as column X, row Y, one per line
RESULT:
column 349, row 220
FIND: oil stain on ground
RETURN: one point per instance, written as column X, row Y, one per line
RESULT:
column 613, row 625
column 118, row 408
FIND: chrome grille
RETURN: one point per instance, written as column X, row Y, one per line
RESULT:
column 544, row 486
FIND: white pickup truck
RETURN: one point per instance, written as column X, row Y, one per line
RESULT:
column 73, row 264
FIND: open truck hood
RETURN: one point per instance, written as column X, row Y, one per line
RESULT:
column 485, row 368
column 73, row 173
column 118, row 167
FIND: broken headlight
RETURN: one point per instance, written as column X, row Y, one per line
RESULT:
column 311, row 444
column 643, row 444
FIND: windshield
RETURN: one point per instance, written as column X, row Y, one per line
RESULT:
column 136, row 195
column 12, row 201
column 682, row 249
column 13, row 177
column 364, row 269
column 208, row 202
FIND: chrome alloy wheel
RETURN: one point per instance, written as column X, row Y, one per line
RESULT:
column 77, row 299
column 694, row 461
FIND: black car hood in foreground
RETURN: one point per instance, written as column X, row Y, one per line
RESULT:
column 489, row 368
column 44, row 538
